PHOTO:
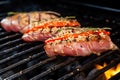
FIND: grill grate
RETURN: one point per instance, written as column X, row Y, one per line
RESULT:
column 8, row 37
column 53, row 68
column 90, row 64
column 30, row 68
column 10, row 42
column 115, row 62
column 20, row 60
column 18, row 54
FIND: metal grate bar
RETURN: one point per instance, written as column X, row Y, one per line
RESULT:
column 97, row 60
column 4, row 33
column 12, row 49
column 1, row 29
column 20, row 53
column 30, row 68
column 4, row 2
column 116, row 77
column 21, row 62
column 10, row 42
column 53, row 68
column 86, row 66
column 8, row 37
column 72, row 73
column 112, row 64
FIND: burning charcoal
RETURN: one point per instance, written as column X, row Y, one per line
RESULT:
column 78, row 77
column 116, row 77
column 92, row 72
column 72, row 66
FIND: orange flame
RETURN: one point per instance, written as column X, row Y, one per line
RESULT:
column 111, row 72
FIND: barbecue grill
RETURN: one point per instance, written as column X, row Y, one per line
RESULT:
column 20, row 60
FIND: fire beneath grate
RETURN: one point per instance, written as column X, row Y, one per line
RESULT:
column 23, row 61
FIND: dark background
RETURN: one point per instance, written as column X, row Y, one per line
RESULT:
column 104, row 3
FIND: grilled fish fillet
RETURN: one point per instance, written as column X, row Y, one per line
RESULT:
column 40, row 31
column 79, row 42
column 19, row 21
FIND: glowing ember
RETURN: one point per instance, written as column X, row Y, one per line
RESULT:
column 111, row 72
